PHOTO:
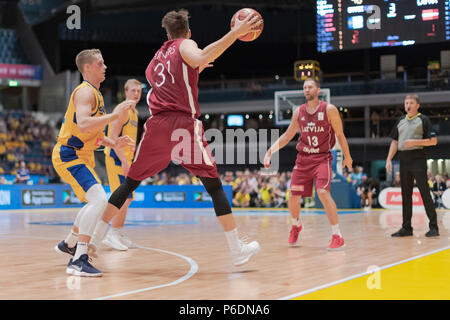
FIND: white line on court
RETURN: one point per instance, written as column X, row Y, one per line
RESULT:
column 192, row 271
column 301, row 293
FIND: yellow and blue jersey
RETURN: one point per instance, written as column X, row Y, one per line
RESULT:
column 129, row 128
column 70, row 135
column 73, row 154
column 112, row 161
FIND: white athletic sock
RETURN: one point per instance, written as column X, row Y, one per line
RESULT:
column 82, row 248
column 99, row 233
column 71, row 239
column 233, row 240
column 335, row 230
column 296, row 222
column 116, row 231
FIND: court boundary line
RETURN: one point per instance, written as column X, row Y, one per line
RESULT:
column 193, row 270
column 330, row 284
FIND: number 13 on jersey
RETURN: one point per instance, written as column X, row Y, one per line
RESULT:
column 313, row 141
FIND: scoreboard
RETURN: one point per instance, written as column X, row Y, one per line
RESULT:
column 360, row 24
column 306, row 69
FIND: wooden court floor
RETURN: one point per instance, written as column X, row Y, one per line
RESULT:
column 183, row 255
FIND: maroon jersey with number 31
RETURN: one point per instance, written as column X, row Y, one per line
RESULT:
column 316, row 133
column 174, row 83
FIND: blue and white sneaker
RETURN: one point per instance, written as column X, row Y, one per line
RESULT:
column 62, row 247
column 82, row 268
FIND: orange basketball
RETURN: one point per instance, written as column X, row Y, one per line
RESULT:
column 241, row 15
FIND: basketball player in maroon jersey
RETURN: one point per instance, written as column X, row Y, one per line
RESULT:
column 173, row 75
column 318, row 122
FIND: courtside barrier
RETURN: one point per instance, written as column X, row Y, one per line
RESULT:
column 62, row 196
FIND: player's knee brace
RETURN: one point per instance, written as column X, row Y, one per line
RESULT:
column 218, row 196
column 121, row 194
column 97, row 201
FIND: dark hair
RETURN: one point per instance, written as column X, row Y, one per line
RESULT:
column 176, row 23
column 314, row 80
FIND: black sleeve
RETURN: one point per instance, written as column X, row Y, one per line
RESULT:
column 394, row 131
column 427, row 129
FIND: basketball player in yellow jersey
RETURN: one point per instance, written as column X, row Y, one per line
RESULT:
column 73, row 156
column 118, row 162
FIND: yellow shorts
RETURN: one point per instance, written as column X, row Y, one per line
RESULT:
column 75, row 168
column 115, row 173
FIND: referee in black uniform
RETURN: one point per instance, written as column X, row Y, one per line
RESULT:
column 410, row 134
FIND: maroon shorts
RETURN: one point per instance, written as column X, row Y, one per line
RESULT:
column 172, row 136
column 310, row 167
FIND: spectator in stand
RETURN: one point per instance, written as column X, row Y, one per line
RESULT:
column 250, row 184
column 447, row 180
column 195, row 181
column 396, row 181
column 430, row 179
column 228, row 178
column 356, row 176
column 10, row 158
column 237, row 181
column 241, row 199
column 2, row 150
column 23, row 175
column 369, row 188
column 375, row 124
column 265, row 196
column 439, row 188
column 182, row 179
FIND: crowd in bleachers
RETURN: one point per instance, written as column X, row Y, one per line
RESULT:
column 23, row 138
column 250, row 188
column 438, row 184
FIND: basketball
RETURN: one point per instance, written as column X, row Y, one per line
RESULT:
column 241, row 15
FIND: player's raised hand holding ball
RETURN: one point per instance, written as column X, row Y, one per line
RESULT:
column 248, row 23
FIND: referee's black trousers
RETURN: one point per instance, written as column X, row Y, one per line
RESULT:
column 413, row 165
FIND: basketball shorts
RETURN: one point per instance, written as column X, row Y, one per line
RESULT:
column 309, row 168
column 176, row 137
column 75, row 168
column 115, row 172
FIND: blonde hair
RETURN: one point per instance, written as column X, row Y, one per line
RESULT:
column 131, row 82
column 413, row 97
column 85, row 57
column 176, row 23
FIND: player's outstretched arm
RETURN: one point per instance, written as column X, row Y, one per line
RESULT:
column 336, row 123
column 197, row 57
column 284, row 139
column 84, row 101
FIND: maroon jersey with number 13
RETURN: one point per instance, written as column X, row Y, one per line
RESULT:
column 316, row 133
